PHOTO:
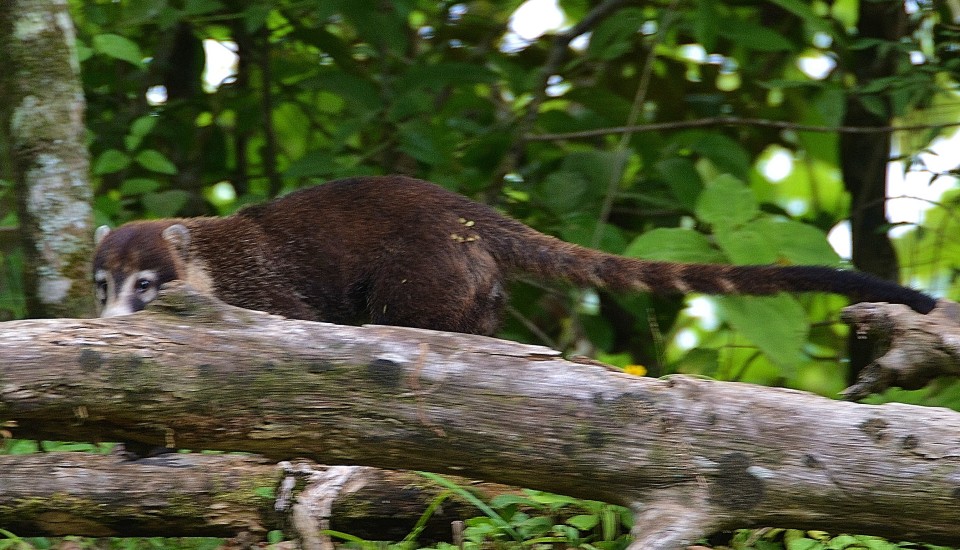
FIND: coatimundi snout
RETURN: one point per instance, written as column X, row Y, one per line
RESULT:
column 400, row 251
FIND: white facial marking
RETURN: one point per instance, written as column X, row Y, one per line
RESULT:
column 137, row 290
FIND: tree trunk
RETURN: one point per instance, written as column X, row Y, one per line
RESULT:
column 44, row 122
column 864, row 157
column 690, row 456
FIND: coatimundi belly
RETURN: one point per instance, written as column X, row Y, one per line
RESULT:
column 399, row 251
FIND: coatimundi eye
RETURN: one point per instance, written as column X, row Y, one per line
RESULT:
column 143, row 285
column 102, row 291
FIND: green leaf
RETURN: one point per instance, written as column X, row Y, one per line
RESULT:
column 612, row 37
column 138, row 12
column 564, row 191
column 265, row 492
column 684, row 181
column 727, row 202
column 314, row 163
column 138, row 186
column 143, row 125
column 165, row 204
column 84, row 52
column 706, row 24
column 725, row 153
column 598, row 167
column 155, row 161
column 439, row 75
column 755, row 37
column 118, row 47
column 800, row 243
column 803, row 544
column 200, row 7
column 425, row 143
column 110, row 161
column 802, row 9
column 502, row 501
column 581, row 228
column 874, row 543
column 775, row 324
column 702, row 361
column 747, row 245
column 584, row 522
column 140, row 128
column 598, row 330
column 673, row 245
column 255, row 17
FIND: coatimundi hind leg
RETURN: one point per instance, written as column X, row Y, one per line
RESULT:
column 472, row 287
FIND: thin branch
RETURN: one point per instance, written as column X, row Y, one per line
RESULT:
column 638, row 99
column 735, row 121
column 269, row 157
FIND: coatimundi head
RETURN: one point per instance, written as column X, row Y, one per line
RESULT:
column 132, row 262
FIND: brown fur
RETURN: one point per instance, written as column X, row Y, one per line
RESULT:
column 399, row 251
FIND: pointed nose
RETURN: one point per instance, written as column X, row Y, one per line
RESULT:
column 116, row 309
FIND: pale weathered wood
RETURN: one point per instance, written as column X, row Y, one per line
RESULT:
column 690, row 456
column 920, row 348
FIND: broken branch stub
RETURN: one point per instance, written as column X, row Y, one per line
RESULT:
column 917, row 348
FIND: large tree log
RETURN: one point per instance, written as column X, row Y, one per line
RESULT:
column 689, row 456
column 195, row 495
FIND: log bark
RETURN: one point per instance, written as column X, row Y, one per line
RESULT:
column 204, row 495
column 919, row 348
column 689, row 456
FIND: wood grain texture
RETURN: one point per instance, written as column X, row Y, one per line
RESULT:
column 690, row 456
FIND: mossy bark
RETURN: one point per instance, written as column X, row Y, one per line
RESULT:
column 43, row 119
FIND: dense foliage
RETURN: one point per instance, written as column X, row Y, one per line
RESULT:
column 450, row 92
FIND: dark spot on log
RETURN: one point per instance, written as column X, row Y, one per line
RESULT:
column 384, row 372
column 596, row 439
column 90, row 360
column 319, row 367
column 811, row 461
column 875, row 428
column 206, row 369
column 712, row 419
column 268, row 365
column 126, row 371
column 632, row 407
column 956, row 493
column 410, row 493
column 910, row 442
column 734, row 487
column 567, row 449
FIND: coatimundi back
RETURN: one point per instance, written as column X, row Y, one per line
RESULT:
column 400, row 251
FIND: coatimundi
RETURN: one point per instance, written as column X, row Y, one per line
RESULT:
column 400, row 251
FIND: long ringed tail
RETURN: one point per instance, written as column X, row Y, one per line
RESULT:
column 549, row 258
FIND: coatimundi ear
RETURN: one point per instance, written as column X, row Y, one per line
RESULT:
column 179, row 236
column 100, row 234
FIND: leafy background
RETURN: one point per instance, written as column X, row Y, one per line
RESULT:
column 447, row 91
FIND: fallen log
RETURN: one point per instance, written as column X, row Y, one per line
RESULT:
column 207, row 495
column 689, row 456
